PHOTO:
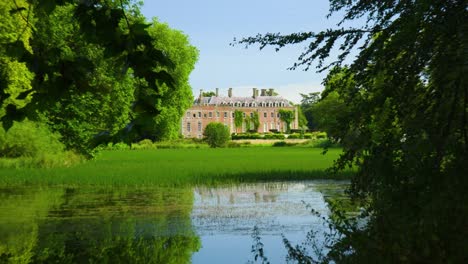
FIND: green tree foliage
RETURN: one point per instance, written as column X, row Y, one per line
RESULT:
column 303, row 122
column 94, row 71
column 408, row 131
column 208, row 94
column 174, row 100
column 287, row 116
column 216, row 134
column 15, row 77
column 307, row 101
column 330, row 115
column 99, row 102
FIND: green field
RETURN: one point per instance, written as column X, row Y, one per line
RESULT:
column 175, row 167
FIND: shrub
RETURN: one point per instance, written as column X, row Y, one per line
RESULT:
column 274, row 136
column 216, row 134
column 233, row 144
column 29, row 139
column 321, row 135
column 247, row 136
column 296, row 131
column 280, row 144
column 144, row 144
column 32, row 144
column 283, row 144
column 295, row 136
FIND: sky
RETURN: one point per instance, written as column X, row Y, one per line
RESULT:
column 213, row 24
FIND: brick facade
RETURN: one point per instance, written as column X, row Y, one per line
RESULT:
column 221, row 109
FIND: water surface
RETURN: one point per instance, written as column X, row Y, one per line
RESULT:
column 156, row 225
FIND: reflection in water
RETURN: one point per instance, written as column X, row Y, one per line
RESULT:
column 225, row 217
column 155, row 225
column 97, row 226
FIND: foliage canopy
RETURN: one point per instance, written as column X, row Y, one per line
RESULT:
column 94, row 71
column 407, row 131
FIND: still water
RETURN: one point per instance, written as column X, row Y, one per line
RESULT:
column 158, row 225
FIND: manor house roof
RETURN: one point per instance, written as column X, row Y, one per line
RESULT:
column 264, row 100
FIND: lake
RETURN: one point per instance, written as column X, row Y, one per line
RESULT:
column 159, row 225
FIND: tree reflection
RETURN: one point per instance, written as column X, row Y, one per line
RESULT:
column 100, row 226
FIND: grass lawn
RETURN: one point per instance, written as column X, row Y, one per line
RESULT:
column 175, row 167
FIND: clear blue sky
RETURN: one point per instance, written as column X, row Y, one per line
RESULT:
column 212, row 24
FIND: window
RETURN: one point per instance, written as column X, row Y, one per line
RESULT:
column 265, row 114
column 272, row 114
column 251, row 114
column 188, row 126
column 188, row 114
column 225, row 114
column 199, row 126
column 265, row 127
column 217, row 114
column 199, row 114
column 204, row 115
column 243, row 114
column 210, row 114
column 194, row 115
column 232, row 114
column 278, row 115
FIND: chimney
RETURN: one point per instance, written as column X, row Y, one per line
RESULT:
column 263, row 92
column 230, row 92
column 217, row 92
column 271, row 92
column 254, row 92
column 200, row 96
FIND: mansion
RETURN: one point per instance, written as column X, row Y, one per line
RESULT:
column 221, row 109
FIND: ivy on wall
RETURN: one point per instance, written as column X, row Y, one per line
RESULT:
column 238, row 119
column 287, row 116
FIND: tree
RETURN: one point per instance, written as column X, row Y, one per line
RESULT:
column 15, row 77
column 307, row 101
column 177, row 99
column 310, row 98
column 287, row 116
column 303, row 122
column 94, row 71
column 208, row 94
column 330, row 115
column 97, row 96
column 103, row 44
column 408, row 131
column 216, row 134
